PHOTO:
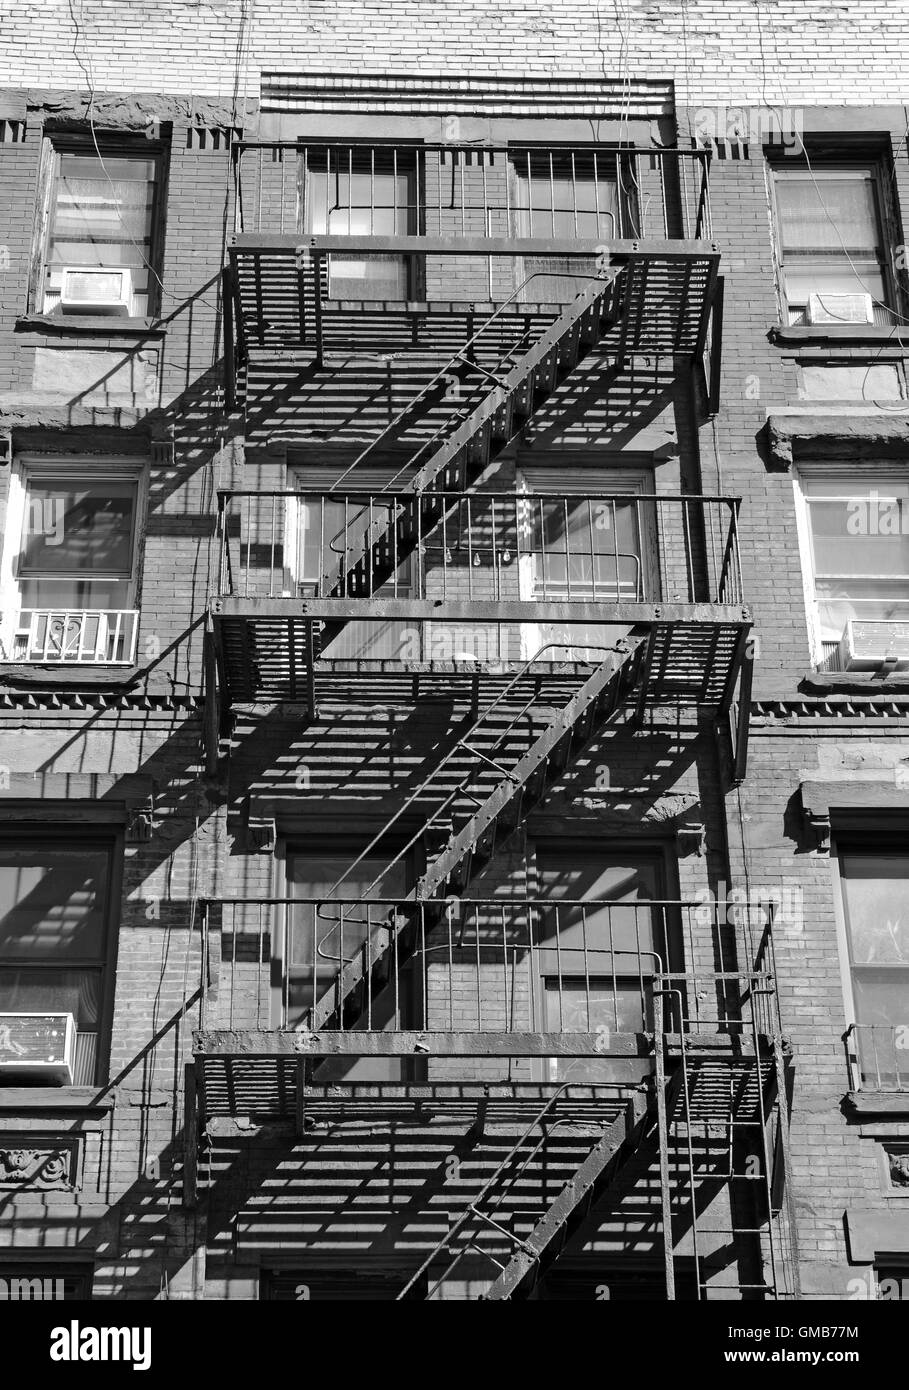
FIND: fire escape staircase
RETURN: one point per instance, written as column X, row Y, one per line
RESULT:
column 461, row 459
column 535, row 1254
column 620, row 1138
column 516, row 792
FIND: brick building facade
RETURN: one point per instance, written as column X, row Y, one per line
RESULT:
column 451, row 774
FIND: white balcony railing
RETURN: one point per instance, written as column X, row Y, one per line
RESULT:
column 84, row 637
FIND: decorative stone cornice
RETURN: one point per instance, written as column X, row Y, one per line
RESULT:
column 78, row 700
column 792, row 436
column 822, row 798
column 839, row 707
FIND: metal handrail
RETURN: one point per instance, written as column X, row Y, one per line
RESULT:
column 499, row 496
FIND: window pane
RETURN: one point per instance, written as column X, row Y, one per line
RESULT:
column 864, row 534
column 860, row 544
column 859, row 278
column 571, row 1006
column 585, row 548
column 72, row 528
column 882, row 999
column 876, row 895
column 98, row 209
column 53, row 901
column 75, row 595
column 363, row 193
column 565, row 195
column 602, row 930
column 844, row 600
column 332, row 533
column 337, row 934
column 76, row 992
column 820, row 214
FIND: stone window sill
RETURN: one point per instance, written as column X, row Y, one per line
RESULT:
column 109, row 326
column 849, row 333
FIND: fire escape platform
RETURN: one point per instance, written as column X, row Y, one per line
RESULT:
column 274, row 1089
column 666, row 286
column 270, row 648
column 267, row 1073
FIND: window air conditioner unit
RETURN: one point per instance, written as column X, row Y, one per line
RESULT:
column 96, row 290
column 839, row 308
column 37, row 1048
column 868, row 645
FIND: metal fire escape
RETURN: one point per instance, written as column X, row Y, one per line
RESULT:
column 713, row 1118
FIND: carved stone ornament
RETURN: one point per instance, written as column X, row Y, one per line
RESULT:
column 44, row 1167
column 898, row 1164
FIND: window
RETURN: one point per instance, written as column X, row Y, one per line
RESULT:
column 588, row 536
column 319, row 935
column 855, row 537
column 830, row 242
column 72, row 573
column 55, row 935
column 566, row 195
column 101, row 239
column 596, row 963
column 368, row 192
column 875, row 890
column 328, row 534
column 329, row 928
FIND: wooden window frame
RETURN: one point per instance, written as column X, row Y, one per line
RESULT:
column 81, row 467
column 111, row 839
column 825, row 164
column 111, row 146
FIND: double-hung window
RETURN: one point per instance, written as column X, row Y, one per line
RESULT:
column 340, row 915
column 55, row 936
column 72, row 573
column 101, row 236
column 875, row 891
column 587, row 536
column 831, row 243
column 855, row 545
column 597, row 950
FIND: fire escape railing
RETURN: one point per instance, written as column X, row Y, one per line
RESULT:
column 601, row 191
column 502, row 966
column 484, row 546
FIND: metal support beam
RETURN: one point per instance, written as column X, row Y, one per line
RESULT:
column 252, row 242
column 716, row 349
column 743, row 716
column 227, row 313
column 212, row 710
column 346, row 610
column 663, row 1135
column 300, row 1097
column 190, row 1137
